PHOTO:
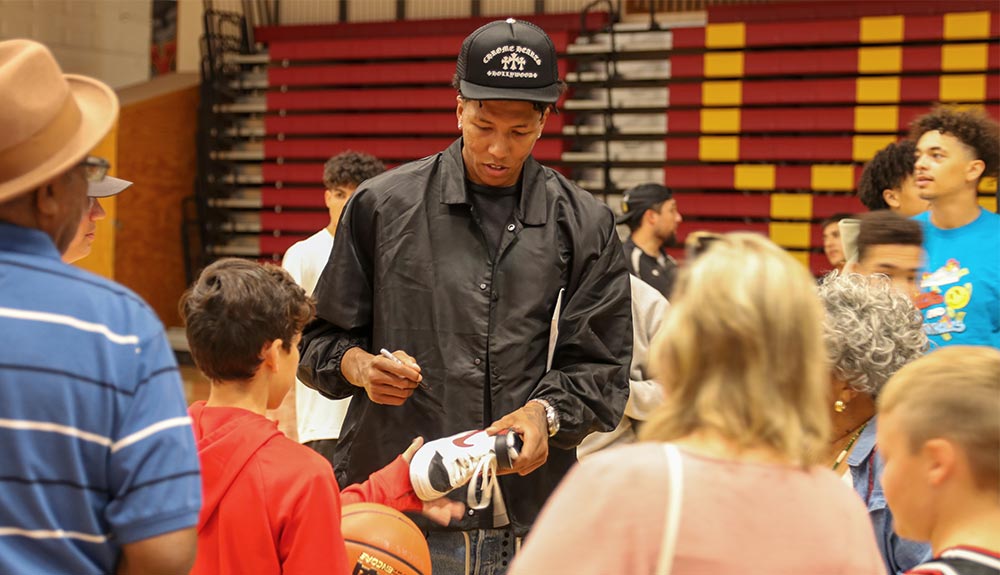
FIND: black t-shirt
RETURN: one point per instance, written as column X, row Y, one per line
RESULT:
column 494, row 207
column 658, row 272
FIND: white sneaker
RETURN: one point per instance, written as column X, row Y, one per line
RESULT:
column 472, row 457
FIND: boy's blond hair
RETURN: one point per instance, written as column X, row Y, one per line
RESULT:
column 741, row 352
column 952, row 393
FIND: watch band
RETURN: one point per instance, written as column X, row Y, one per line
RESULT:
column 551, row 416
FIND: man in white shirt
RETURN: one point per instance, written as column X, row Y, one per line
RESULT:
column 305, row 415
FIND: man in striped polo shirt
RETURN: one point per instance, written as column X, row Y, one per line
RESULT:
column 100, row 470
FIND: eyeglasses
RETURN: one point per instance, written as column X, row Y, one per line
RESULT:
column 95, row 169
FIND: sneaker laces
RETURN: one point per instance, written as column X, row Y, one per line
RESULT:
column 484, row 476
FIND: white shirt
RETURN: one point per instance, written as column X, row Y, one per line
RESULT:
column 316, row 416
column 645, row 394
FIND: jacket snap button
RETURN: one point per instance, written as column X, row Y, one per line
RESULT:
column 510, row 227
column 482, row 286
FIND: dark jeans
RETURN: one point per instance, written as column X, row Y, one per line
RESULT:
column 324, row 447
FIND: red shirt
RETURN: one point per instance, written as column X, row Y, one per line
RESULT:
column 272, row 506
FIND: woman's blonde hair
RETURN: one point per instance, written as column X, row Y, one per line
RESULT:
column 741, row 352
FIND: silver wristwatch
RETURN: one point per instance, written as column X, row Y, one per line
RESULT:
column 551, row 416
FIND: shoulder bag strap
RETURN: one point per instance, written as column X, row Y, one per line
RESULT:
column 675, row 492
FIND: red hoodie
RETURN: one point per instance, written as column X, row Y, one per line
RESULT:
column 270, row 505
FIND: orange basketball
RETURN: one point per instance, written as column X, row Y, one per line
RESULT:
column 383, row 541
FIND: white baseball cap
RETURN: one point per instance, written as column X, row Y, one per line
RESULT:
column 107, row 187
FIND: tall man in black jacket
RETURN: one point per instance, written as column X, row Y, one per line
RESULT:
column 458, row 262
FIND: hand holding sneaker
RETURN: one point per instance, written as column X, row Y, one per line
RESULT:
column 530, row 424
column 441, row 510
column 470, row 457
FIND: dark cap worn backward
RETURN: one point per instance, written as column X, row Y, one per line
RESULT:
column 641, row 198
column 509, row 60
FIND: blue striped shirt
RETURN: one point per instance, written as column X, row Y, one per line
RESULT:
column 97, row 448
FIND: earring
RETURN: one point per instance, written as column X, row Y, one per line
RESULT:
column 839, row 406
column 460, row 125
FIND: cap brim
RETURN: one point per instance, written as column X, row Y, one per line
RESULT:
column 546, row 94
column 98, row 110
column 107, row 187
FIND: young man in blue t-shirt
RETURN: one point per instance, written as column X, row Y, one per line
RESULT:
column 960, row 286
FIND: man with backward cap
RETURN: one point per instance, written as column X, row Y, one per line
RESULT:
column 100, row 467
column 467, row 264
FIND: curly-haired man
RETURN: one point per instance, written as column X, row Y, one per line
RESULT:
column 887, row 182
column 960, row 287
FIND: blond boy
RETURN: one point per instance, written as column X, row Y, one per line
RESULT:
column 939, row 433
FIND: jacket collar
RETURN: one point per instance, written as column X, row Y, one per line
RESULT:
column 531, row 212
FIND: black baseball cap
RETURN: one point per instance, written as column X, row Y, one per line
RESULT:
column 641, row 198
column 509, row 60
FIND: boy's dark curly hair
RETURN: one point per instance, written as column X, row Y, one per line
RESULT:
column 234, row 309
column 350, row 168
column 973, row 127
column 886, row 171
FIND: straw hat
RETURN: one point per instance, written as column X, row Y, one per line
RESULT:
column 50, row 120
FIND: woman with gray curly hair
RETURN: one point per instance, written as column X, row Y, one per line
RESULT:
column 871, row 331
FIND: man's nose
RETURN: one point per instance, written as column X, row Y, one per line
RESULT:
column 499, row 147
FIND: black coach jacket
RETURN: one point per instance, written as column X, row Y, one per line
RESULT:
column 410, row 270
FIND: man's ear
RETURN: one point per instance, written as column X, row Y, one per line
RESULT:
column 648, row 214
column 940, row 459
column 974, row 170
column 891, row 197
column 544, row 118
column 47, row 200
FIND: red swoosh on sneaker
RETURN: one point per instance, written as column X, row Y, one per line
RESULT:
column 460, row 441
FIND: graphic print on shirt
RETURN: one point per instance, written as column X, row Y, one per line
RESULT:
column 944, row 299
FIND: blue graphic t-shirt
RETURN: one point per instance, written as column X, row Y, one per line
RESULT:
column 960, row 286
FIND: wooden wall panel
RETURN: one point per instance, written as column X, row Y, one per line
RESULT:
column 156, row 150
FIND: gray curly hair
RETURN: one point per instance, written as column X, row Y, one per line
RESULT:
column 871, row 330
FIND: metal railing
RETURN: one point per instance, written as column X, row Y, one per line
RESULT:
column 610, row 60
column 226, row 34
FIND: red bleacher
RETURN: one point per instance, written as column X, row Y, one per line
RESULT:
column 771, row 109
column 449, row 27
column 839, row 31
column 824, row 10
column 380, row 88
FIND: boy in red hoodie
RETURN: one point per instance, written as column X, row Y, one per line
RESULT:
column 271, row 506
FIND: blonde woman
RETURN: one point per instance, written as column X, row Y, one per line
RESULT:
column 730, row 479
